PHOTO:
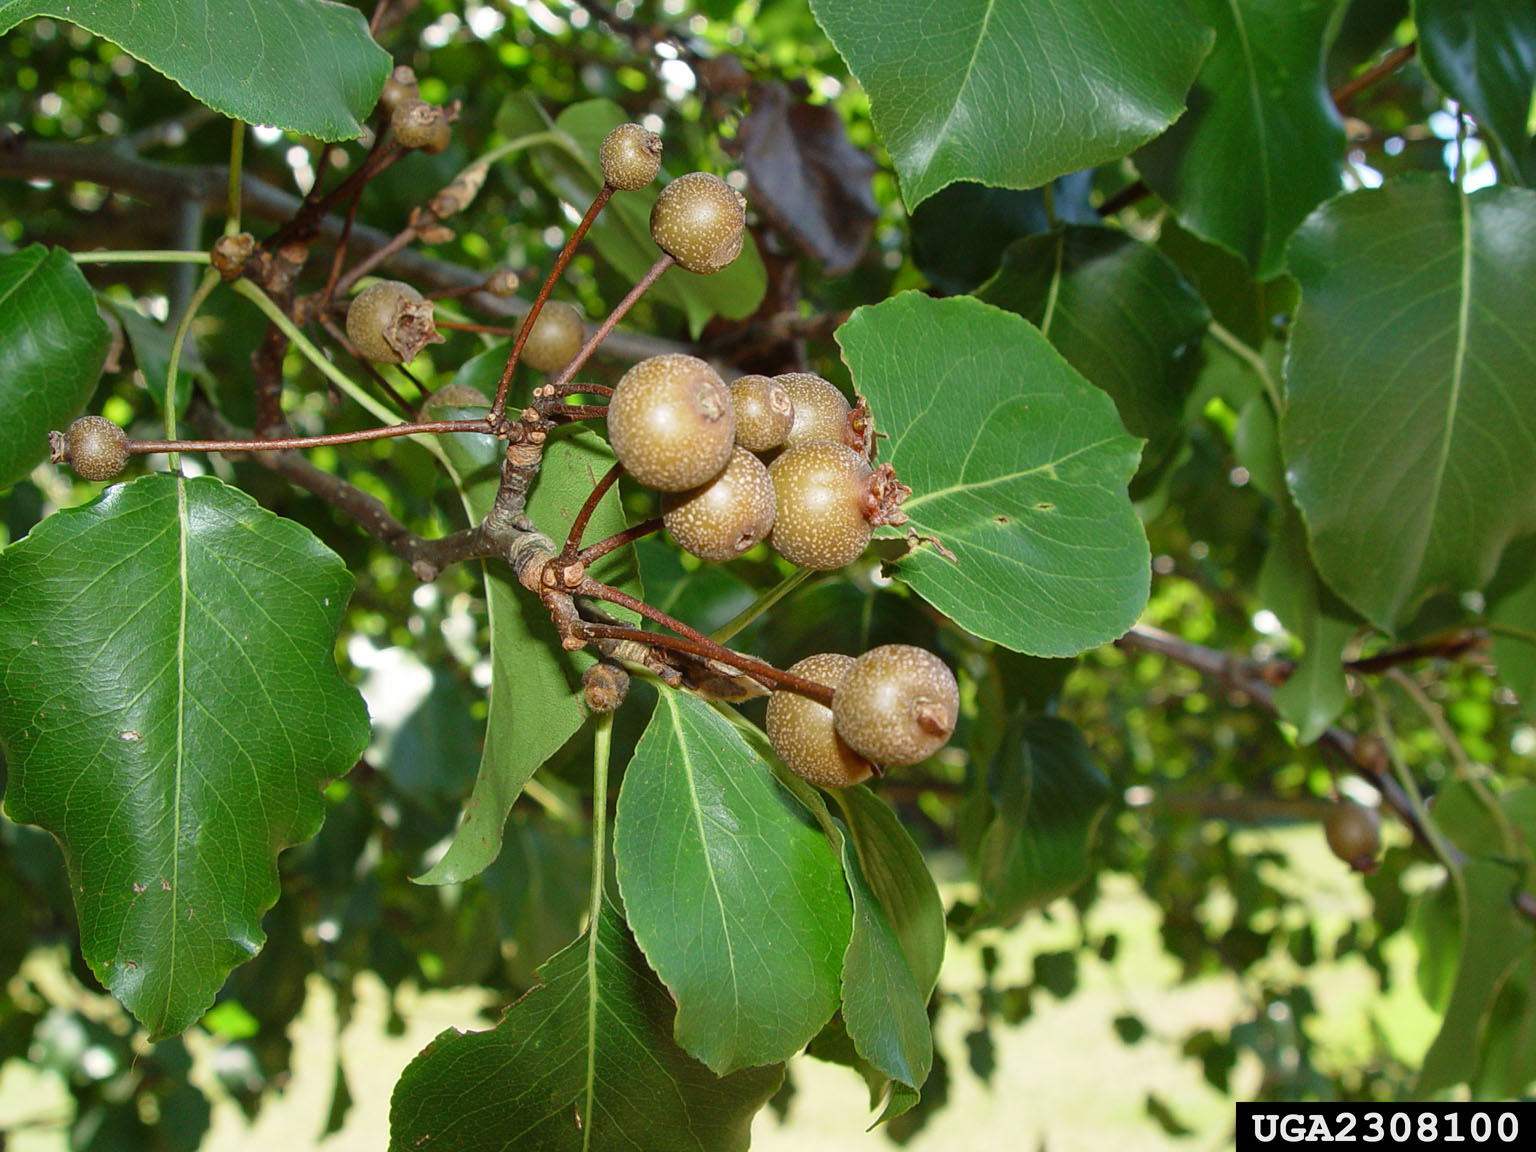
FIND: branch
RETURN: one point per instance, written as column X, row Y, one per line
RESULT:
column 157, row 183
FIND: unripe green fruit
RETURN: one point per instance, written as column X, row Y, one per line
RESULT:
column 417, row 124
column 820, row 490
column 98, row 448
column 630, row 157
column 764, row 412
column 699, row 221
column 557, row 336
column 897, row 705
column 725, row 517
column 390, row 323
column 821, row 412
column 1354, row 834
column 670, row 422
column 802, row 732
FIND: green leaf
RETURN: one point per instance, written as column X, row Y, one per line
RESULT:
column 52, row 346
column 1484, row 56
column 1495, row 938
column 1047, row 797
column 1509, row 1044
column 1410, row 384
column 583, row 1063
column 1018, row 466
column 172, row 710
column 1244, row 306
column 1120, row 313
column 1260, row 146
column 883, row 1007
column 308, row 66
column 622, row 234
column 535, row 698
column 151, row 342
column 735, row 898
column 893, row 869
column 1014, row 92
column 1512, row 616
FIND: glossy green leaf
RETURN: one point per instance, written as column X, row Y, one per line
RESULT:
column 52, row 345
column 883, row 1008
column 622, row 234
column 1047, row 797
column 1261, row 144
column 535, row 698
column 735, row 897
column 894, row 870
column 308, row 66
column 1018, row 466
column 1509, row 1043
column 1015, row 92
column 1495, row 938
column 1410, row 385
column 172, row 711
column 1120, row 313
column 1246, row 307
column 583, row 1063
column 1483, row 55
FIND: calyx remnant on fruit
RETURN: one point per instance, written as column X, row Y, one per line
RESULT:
column 630, row 157
column 897, row 705
column 390, row 323
column 670, row 422
column 699, row 220
column 801, row 729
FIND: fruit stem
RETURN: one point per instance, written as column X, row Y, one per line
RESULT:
column 642, row 286
column 706, row 649
column 764, row 602
column 636, row 532
column 579, row 525
column 500, row 404
column 289, row 443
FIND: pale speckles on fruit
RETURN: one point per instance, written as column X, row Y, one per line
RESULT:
column 417, row 124
column 764, row 412
column 802, row 732
column 630, row 157
column 390, row 323
column 897, row 705
column 821, row 412
column 820, row 490
column 557, row 336
column 699, row 221
column 98, row 448
column 670, row 422
column 725, row 517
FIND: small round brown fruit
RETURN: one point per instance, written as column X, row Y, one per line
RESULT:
column 630, row 157
column 557, row 336
column 727, row 516
column 453, row 395
column 1371, row 755
column 417, row 124
column 897, row 705
column 820, row 491
column 98, row 448
column 1354, row 834
column 390, row 323
column 670, row 422
column 764, row 412
column 699, row 220
column 398, row 88
column 821, row 412
column 802, row 733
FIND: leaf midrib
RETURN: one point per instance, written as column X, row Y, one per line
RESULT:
column 183, row 528
column 965, row 83
column 1266, row 181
